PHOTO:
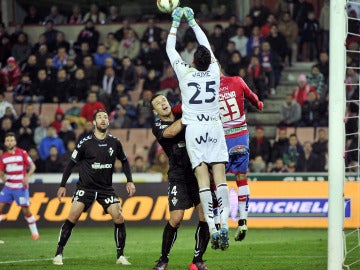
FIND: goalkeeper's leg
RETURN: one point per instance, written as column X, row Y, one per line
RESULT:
column 243, row 199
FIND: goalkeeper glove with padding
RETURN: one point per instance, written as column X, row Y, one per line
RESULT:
column 176, row 16
column 189, row 15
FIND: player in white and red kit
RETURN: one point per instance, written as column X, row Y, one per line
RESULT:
column 233, row 91
column 16, row 166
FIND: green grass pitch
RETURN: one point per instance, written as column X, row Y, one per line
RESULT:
column 94, row 248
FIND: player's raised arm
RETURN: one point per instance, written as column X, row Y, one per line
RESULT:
column 171, row 40
column 199, row 33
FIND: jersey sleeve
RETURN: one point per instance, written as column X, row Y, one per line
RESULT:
column 2, row 165
column 121, row 155
column 250, row 95
column 27, row 159
column 202, row 39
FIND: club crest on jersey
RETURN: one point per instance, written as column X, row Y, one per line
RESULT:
column 174, row 201
column 111, row 151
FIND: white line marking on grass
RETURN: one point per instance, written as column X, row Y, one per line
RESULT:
column 33, row 260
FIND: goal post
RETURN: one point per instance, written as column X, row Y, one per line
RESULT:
column 337, row 103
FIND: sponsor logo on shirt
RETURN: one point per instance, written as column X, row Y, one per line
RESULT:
column 111, row 151
column 227, row 95
column 206, row 139
column 98, row 166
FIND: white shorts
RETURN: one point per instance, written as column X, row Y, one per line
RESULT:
column 206, row 143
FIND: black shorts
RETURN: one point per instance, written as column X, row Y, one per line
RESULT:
column 183, row 194
column 87, row 197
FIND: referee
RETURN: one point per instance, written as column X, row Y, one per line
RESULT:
column 95, row 155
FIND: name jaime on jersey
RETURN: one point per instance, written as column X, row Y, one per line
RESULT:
column 201, row 74
column 226, row 95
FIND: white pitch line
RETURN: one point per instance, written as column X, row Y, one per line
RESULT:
column 32, row 260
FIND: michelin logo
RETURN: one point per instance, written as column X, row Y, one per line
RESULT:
column 290, row 208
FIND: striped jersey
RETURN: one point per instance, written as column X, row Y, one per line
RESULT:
column 232, row 94
column 14, row 166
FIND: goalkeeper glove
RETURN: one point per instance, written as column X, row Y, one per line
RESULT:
column 176, row 16
column 189, row 15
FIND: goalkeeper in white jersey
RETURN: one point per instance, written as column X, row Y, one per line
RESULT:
column 205, row 139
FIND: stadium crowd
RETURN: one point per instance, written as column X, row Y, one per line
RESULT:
column 122, row 73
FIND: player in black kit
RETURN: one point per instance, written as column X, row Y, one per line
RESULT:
column 96, row 155
column 183, row 190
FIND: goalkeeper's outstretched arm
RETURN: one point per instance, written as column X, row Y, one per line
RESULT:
column 199, row 33
column 171, row 39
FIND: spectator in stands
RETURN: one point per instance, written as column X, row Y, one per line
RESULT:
column 70, row 147
column 278, row 43
column 71, row 67
column 91, row 106
column 279, row 166
column 61, row 42
column 42, row 87
column 5, row 49
column 310, row 111
column 217, row 39
column 21, row 49
column 257, row 73
column 152, row 81
column 280, row 144
column 259, row 145
column 22, row 92
column 5, row 104
column 169, row 80
column 59, row 60
column 324, row 111
column 265, row 29
column 124, row 115
column 324, row 22
column 233, row 66
column 90, row 35
column 112, row 45
column 144, row 111
column 289, row 29
column 58, row 118
column 88, row 129
column 188, row 53
column 73, row 115
column 100, row 56
column 255, row 40
column 300, row 11
column 56, row 16
column 40, row 131
column 50, row 35
column 161, row 165
column 61, row 89
column 50, row 140
column 76, row 16
column 308, row 161
column 79, row 86
column 301, row 92
column 139, row 165
column 113, row 16
column 225, row 55
column 281, row 7
column 257, row 165
column 12, row 73
column 248, row 25
column 258, row 12
column 53, row 161
column 25, row 134
column 221, row 13
column 6, row 126
column 290, row 112
column 129, row 46
column 9, row 114
column 67, row 132
column 323, row 65
column 316, row 79
column 41, row 41
column 127, row 74
column 204, row 14
column 271, row 64
column 34, row 154
column 240, row 41
column 122, row 32
column 231, row 28
column 292, row 152
column 90, row 70
column 30, row 67
column 32, row 16
column 152, row 32
column 320, row 146
column 95, row 15
column 309, row 37
column 41, row 55
column 32, row 114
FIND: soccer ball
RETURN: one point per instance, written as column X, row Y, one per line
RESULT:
column 167, row 6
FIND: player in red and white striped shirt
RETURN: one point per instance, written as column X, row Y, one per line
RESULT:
column 16, row 166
